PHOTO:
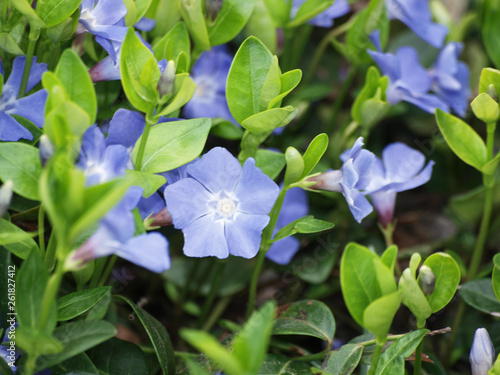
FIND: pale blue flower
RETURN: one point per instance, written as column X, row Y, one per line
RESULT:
column 325, row 18
column 221, row 207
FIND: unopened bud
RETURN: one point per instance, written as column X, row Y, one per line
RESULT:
column 426, row 280
column 167, row 79
column 485, row 108
column 213, row 8
column 482, row 354
column 5, row 196
column 492, row 91
column 46, row 149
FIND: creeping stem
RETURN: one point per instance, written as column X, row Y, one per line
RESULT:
column 144, row 139
column 378, row 350
column 33, row 37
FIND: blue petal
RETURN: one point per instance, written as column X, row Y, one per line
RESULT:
column 218, row 170
column 105, row 70
column 427, row 102
column 325, row 18
column 93, row 147
column 388, row 63
column 11, row 130
column 125, row 128
column 16, row 74
column 147, row 250
column 32, row 107
column 401, row 162
column 282, row 251
column 255, row 191
column 187, row 200
column 357, row 202
column 418, row 180
column 145, row 24
column 244, row 234
column 205, row 237
column 363, row 165
column 413, row 77
column 109, row 12
column 384, row 203
column 151, row 205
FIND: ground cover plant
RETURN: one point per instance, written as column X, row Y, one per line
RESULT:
column 249, row 187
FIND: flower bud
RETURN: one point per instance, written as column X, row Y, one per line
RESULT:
column 426, row 280
column 5, row 196
column 167, row 79
column 485, row 108
column 482, row 354
column 46, row 149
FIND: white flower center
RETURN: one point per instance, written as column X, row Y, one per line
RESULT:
column 226, row 207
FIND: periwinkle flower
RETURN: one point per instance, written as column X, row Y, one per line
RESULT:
column 209, row 73
column 30, row 107
column 450, row 78
column 145, row 24
column 325, row 18
column 408, row 80
column 401, row 168
column 353, row 176
column 295, row 206
column 416, row 14
column 482, row 354
column 221, row 207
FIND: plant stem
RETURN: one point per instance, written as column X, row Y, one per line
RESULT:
column 49, row 297
column 41, row 230
column 340, row 99
column 100, row 263
column 264, row 247
column 108, row 269
column 418, row 358
column 33, row 37
column 312, row 357
column 142, row 145
column 55, row 47
column 376, row 355
column 213, row 292
column 217, row 311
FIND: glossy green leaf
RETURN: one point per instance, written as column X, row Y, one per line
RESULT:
column 16, row 240
column 272, row 85
column 279, row 11
column 480, row 295
column 308, row 10
column 175, row 42
column 53, row 12
column 279, row 364
column 392, row 360
column 192, row 14
column 230, row 20
column 490, row 28
column 378, row 315
column 142, row 7
column 76, row 303
column 289, row 81
column 414, row 298
column 314, row 152
column 158, row 335
column 66, row 124
column 150, row 182
column 21, row 163
column 308, row 318
column 9, row 45
column 489, row 76
column 367, row 92
column 74, row 76
column 173, row 144
column 496, row 275
column 343, row 361
column 269, row 120
column 491, row 166
column 462, row 139
column 24, row 6
column 77, row 337
column 246, row 78
column 389, row 257
column 100, row 309
column 372, row 111
column 64, row 30
column 261, row 25
column 447, row 274
column 119, row 357
column 225, row 129
column 294, row 166
column 270, row 162
column 306, row 224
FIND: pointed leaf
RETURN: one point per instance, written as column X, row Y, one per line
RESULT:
column 76, row 303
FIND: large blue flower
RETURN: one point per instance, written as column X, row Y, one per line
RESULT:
column 450, row 78
column 325, row 18
column 401, row 168
column 221, row 207
column 30, row 107
column 210, row 75
column 408, row 80
column 416, row 14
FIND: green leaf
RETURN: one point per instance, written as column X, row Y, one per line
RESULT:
column 80, row 363
column 76, row 303
column 246, row 78
column 173, row 144
column 447, row 274
column 279, row 364
column 135, row 57
column 306, row 224
column 462, row 139
column 21, row 163
column 261, row 25
column 489, row 76
column 9, row 45
column 184, row 88
column 389, row 257
column 270, row 162
column 194, row 367
column 289, row 81
column 250, row 344
column 36, row 343
column 74, row 76
column 158, row 336
column 77, row 337
column 392, row 359
column 142, row 7
column 343, row 361
column 24, row 6
column 414, row 298
column 279, row 11
column 491, row 166
column 308, row 10
column 272, row 85
column 175, row 42
column 308, row 318
column 64, row 30
column 16, row 240
column 269, row 120
column 485, row 108
column 294, row 166
column 150, row 182
column 314, row 152
column 231, row 19
column 378, row 315
column 192, row 14
column 119, row 357
column 480, row 295
column 225, row 129
column 496, row 275
column 53, row 12
column 490, row 28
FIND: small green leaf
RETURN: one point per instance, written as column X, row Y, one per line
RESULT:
column 496, row 275
column 480, row 295
column 53, row 12
column 261, row 25
column 279, row 11
column 173, row 44
column 306, row 224
column 289, row 81
column 76, row 303
column 16, row 240
column 308, row 10
column 378, row 315
column 389, row 257
column 314, row 152
column 21, row 163
column 270, row 162
column 25, row 8
column 269, row 120
column 308, row 318
column 150, row 182
column 9, row 45
column 343, row 361
column 294, row 166
column 225, row 129
column 230, row 20
column 173, row 144
column 414, row 298
column 192, row 14
column 462, row 139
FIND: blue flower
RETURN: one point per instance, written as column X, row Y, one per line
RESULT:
column 325, row 18
column 450, row 78
column 145, row 24
column 209, row 73
column 221, row 207
column 401, row 168
column 416, row 14
column 482, row 354
column 353, row 176
column 408, row 80
column 295, row 206
column 30, row 107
